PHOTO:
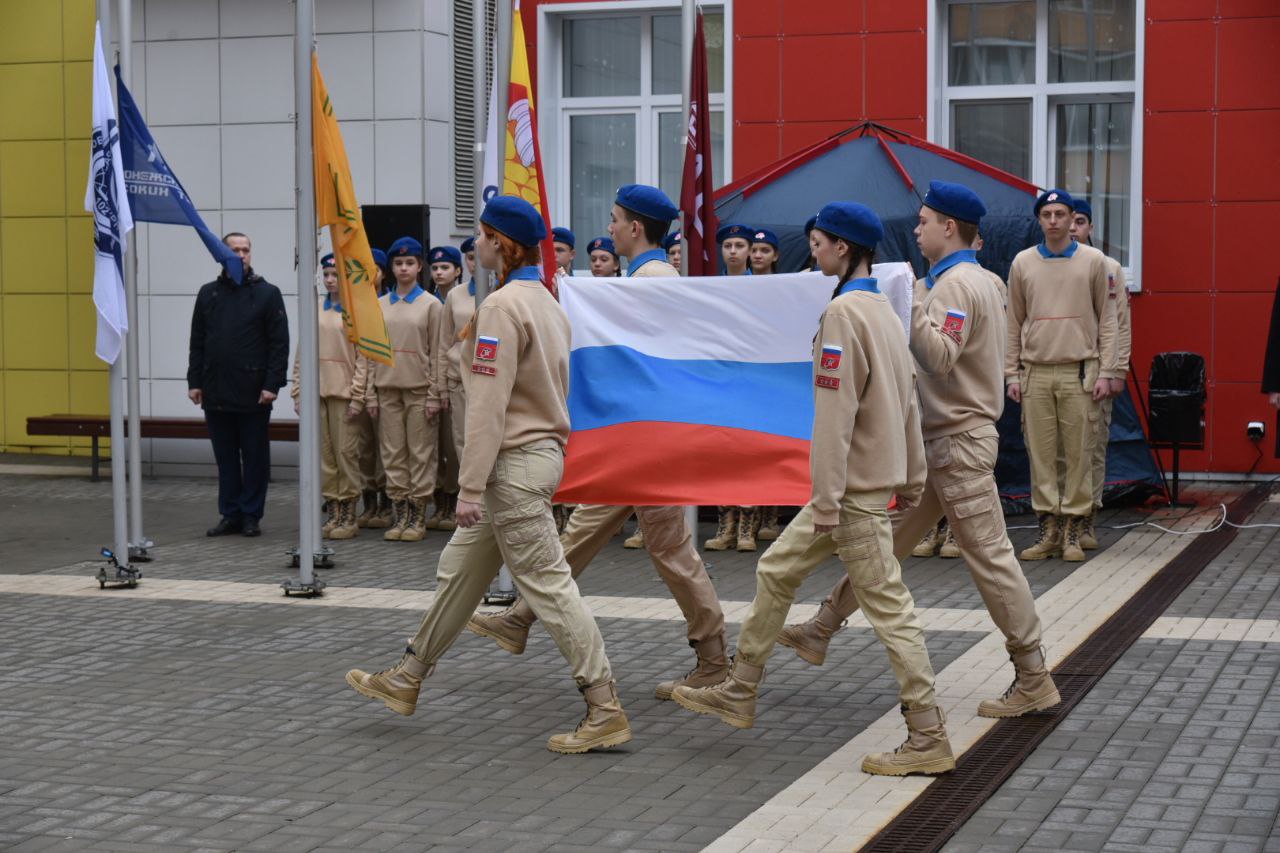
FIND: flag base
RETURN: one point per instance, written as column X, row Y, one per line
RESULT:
column 315, row 589
column 322, row 559
column 115, row 575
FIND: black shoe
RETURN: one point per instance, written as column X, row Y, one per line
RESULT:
column 251, row 527
column 225, row 527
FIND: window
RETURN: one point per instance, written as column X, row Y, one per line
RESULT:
column 613, row 105
column 1045, row 89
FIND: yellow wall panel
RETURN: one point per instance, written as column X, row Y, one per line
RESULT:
column 32, row 31
column 35, row 333
column 77, row 98
column 78, row 18
column 36, row 260
column 77, row 152
column 80, row 255
column 89, row 393
column 31, row 97
column 29, row 393
column 82, row 333
column 33, row 178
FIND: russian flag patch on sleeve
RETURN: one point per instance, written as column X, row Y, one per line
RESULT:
column 486, row 348
column 831, row 356
column 953, row 324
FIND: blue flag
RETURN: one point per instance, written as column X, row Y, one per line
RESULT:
column 155, row 193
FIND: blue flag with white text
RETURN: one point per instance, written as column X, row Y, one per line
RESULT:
column 155, row 193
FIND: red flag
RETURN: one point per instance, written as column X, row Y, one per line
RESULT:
column 696, row 208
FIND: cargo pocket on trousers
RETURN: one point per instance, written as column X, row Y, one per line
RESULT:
column 858, row 547
column 663, row 527
column 937, row 453
column 529, row 534
column 973, row 508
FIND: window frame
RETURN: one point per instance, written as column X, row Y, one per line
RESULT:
column 554, row 109
column 1045, row 98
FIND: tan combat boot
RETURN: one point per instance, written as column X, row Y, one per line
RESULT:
column 1049, row 542
column 450, row 519
column 635, row 540
column 509, row 629
column 1071, row 550
column 1032, row 689
column 385, row 517
column 949, row 550
column 726, row 531
column 926, row 749
column 345, row 528
column 929, row 543
column 732, row 700
column 398, row 687
column 769, row 529
column 810, row 639
column 330, row 508
column 370, row 502
column 414, row 531
column 1088, row 536
column 399, row 518
column 604, row 725
column 748, row 520
column 712, row 668
column 437, row 512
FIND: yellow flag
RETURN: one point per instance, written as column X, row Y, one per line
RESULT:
column 336, row 206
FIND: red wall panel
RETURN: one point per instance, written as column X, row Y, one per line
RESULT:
column 1250, row 71
column 822, row 77
column 1189, row 267
column 887, row 17
column 755, row 146
column 821, row 17
column 757, row 18
column 763, row 99
column 896, row 69
column 1238, row 263
column 1171, row 322
column 1231, row 405
column 1175, row 10
column 1188, row 47
column 1240, row 323
column 1248, row 151
column 1178, row 164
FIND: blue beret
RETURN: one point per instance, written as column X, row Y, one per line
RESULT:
column 443, row 254
column 380, row 258
column 764, row 235
column 405, row 247
column 602, row 244
column 515, row 217
column 734, row 230
column 955, row 200
column 649, row 202
column 468, row 245
column 809, row 224
column 672, row 240
column 1054, row 197
column 851, row 221
column 564, row 235
column 1080, row 205
column 328, row 263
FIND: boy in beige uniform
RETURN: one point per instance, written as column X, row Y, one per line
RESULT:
column 958, row 340
column 399, row 394
column 376, row 511
column 459, row 308
column 517, row 382
column 1060, row 361
column 641, row 215
column 1082, row 232
column 866, row 447
column 340, row 404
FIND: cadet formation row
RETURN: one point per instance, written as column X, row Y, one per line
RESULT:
column 913, row 420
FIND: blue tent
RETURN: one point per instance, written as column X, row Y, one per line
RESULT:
column 890, row 171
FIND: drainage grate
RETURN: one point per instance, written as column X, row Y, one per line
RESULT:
column 950, row 800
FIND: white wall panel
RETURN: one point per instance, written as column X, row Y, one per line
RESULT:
column 177, row 261
column 257, row 166
column 182, row 82
column 180, row 19
column 397, row 15
column 358, row 137
column 273, row 239
column 194, row 152
column 344, row 16
column 437, row 56
column 397, row 75
column 170, row 335
column 346, row 63
column 437, row 148
column 256, row 18
column 439, row 16
column 398, row 149
column 257, row 79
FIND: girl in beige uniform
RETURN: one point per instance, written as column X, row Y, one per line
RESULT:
column 400, row 392
column 376, row 510
column 446, row 275
column 866, row 447
column 517, row 378
column 340, row 404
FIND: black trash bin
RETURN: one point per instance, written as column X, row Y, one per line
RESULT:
column 1176, row 393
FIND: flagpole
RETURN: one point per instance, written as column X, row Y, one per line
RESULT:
column 115, row 380
column 138, row 543
column 309, row 411
column 688, row 13
column 480, row 94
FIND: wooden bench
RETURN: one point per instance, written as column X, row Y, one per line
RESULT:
column 99, row 426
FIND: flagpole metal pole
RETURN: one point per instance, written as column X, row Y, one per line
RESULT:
column 688, row 14
column 139, row 545
column 309, row 413
column 118, row 555
column 480, row 93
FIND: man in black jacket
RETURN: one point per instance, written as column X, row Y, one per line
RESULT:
column 239, row 351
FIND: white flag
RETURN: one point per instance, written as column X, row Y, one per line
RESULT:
column 107, row 200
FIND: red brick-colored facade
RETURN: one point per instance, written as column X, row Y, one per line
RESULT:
column 804, row 69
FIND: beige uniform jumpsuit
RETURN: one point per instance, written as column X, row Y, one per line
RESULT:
column 340, row 477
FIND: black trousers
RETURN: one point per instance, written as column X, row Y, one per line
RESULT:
column 243, row 454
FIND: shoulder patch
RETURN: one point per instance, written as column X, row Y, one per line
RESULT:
column 487, row 348
column 953, row 323
column 832, row 382
column 831, row 356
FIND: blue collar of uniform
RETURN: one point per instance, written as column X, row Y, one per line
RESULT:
column 471, row 287
column 644, row 258
column 525, row 274
column 1066, row 253
column 748, row 272
column 331, row 304
column 867, row 284
column 409, row 297
column 961, row 256
column 439, row 296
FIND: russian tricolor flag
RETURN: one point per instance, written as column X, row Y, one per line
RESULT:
column 696, row 390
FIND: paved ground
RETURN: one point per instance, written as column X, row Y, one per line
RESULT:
column 193, row 713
